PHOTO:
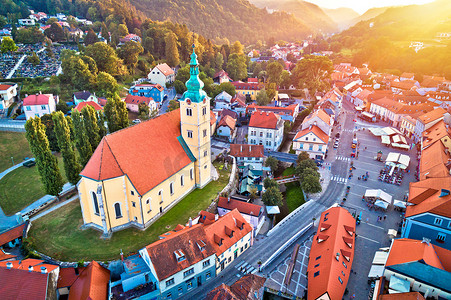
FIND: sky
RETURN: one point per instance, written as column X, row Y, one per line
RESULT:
column 361, row 6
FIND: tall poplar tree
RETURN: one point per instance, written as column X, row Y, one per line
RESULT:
column 101, row 123
column 81, row 138
column 92, row 128
column 62, row 131
column 45, row 161
column 116, row 114
column 171, row 49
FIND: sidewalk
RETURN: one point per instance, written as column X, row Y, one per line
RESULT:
column 44, row 200
column 3, row 174
column 53, row 208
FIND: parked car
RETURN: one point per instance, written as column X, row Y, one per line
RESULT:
column 336, row 144
column 136, row 121
column 29, row 163
column 337, row 135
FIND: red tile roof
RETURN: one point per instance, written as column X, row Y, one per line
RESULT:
column 243, row 289
column 321, row 114
column 82, row 104
column 130, row 99
column 407, row 75
column 4, row 87
column 24, row 264
column 434, row 161
column 212, row 118
column 285, row 110
column 243, row 207
column 67, row 276
column 185, row 240
column 403, row 85
column 335, row 231
column 264, row 120
column 239, row 85
column 426, row 197
column 432, row 115
column 157, row 86
column 23, row 285
column 39, row 99
column 435, row 133
column 402, row 296
column 408, row 250
column 146, row 163
column 92, row 283
column 227, row 230
column 245, row 150
column 227, row 121
column 12, row 234
column 222, row 292
column 4, row 256
column 165, row 69
column 316, row 131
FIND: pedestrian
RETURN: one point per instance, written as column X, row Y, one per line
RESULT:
column 385, row 217
column 367, row 219
column 353, row 296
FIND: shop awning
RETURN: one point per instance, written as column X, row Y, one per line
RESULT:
column 388, row 130
column 367, row 114
column 392, row 157
column 381, row 204
column 402, row 146
column 376, row 271
column 380, row 258
column 404, row 159
column 385, row 139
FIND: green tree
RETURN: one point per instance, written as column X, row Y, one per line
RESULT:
column 312, row 73
column 305, row 164
column 143, row 111
column 62, row 130
column 55, row 32
column 116, row 114
column 104, row 32
column 274, row 71
column 47, row 121
column 272, row 162
column 171, row 49
column 122, row 30
column 33, row 59
column 227, row 87
column 81, row 138
column 236, row 66
column 219, row 61
column 106, row 58
column 8, row 45
column 262, row 98
column 90, row 123
column 271, row 90
column 3, row 21
column 285, row 79
column 179, row 86
column 173, row 105
column 91, row 37
column 269, row 183
column 302, row 156
column 130, row 52
column 47, row 163
column 106, row 85
column 62, row 107
column 101, row 123
column 77, row 72
column 310, row 184
column 237, row 48
column 272, row 197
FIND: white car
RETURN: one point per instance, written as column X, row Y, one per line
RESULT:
column 136, row 121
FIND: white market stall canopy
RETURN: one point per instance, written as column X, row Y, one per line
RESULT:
column 377, row 131
column 399, row 139
column 379, row 194
column 392, row 157
column 376, row 271
column 358, row 108
column 381, row 204
column 380, row 258
column 367, row 114
column 402, row 160
column 272, row 210
column 400, row 204
column 385, row 139
column 402, row 146
column 389, row 130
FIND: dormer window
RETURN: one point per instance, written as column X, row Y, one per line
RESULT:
column 229, row 231
column 201, row 244
column 179, row 255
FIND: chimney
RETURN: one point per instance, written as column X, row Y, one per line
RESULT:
column 228, row 199
column 190, row 222
column 30, row 268
column 9, row 265
column 122, row 256
column 76, row 271
column 43, row 270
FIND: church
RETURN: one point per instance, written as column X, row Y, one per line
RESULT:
column 138, row 173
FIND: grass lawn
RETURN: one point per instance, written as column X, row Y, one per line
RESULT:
column 22, row 187
column 288, row 171
column 13, row 144
column 58, row 234
column 294, row 196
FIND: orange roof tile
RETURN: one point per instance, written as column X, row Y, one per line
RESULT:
column 221, row 292
column 212, row 118
column 435, row 133
column 432, row 115
column 247, row 285
column 165, row 69
column 268, row 120
column 403, row 85
column 4, row 87
column 243, row 207
column 12, row 234
column 67, row 276
column 275, row 109
column 426, row 197
column 39, row 99
column 227, row 121
column 324, row 270
column 82, row 104
column 417, row 251
column 434, row 161
column 321, row 114
column 156, row 153
column 24, row 264
column 245, row 150
column 227, row 230
column 185, row 240
column 402, row 296
column 92, row 283
column 130, row 99
column 4, row 256
column 316, row 131
column 21, row 284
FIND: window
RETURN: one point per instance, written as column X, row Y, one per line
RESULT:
column 205, row 166
column 169, row 295
column 316, row 274
column 301, row 146
column 42, row 106
column 180, row 289
column 314, row 139
column 205, row 132
column 190, row 134
column 28, row 108
column 310, row 147
column 318, row 257
column 317, row 265
column 438, row 221
column 320, row 148
column 269, row 135
column 230, row 259
column 148, row 203
column 339, row 279
column 441, row 237
column 208, row 275
column 189, row 112
column 191, row 174
column 345, row 265
column 189, row 285
column 261, row 134
column 182, row 180
column 343, row 273
column 306, row 138
column 245, row 246
column 204, row 111
column 206, row 263
column 133, row 203
column 171, row 188
column 170, row 282
column 117, row 209
column 96, row 203
column 188, row 272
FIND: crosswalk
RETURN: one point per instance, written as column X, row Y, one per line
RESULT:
column 339, row 179
column 246, row 268
column 343, row 158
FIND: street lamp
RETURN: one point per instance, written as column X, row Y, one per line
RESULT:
column 12, row 158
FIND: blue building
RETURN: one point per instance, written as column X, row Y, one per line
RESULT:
column 148, row 90
column 430, row 215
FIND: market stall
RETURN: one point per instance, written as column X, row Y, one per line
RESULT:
column 399, row 205
column 374, row 195
column 385, row 139
column 381, row 204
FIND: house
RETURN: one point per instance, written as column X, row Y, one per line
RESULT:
column 80, row 105
column 230, row 236
column 29, row 279
column 162, row 74
column 331, row 255
column 183, row 260
column 438, row 132
column 238, row 104
column 221, row 77
column 361, row 100
column 265, row 128
column 430, row 215
column 137, row 174
column 406, row 76
column 312, row 140
column 226, row 127
column 8, row 93
column 27, row 22
column 248, row 155
column 248, row 287
column 84, row 96
column 320, row 119
column 154, row 91
column 427, row 120
column 408, row 125
column 434, row 161
column 248, row 88
column 252, row 213
column 11, row 237
column 39, row 105
column 251, row 180
column 331, row 100
column 418, row 266
column 287, row 113
column 403, row 86
column 129, row 38
column 133, row 102
column 223, row 101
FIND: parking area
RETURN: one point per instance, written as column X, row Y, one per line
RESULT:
column 372, row 233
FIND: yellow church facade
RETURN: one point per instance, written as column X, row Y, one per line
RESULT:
column 137, row 174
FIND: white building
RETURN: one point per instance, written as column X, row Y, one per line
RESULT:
column 248, row 155
column 27, row 22
column 133, row 102
column 265, row 128
column 39, row 105
column 226, row 127
column 7, row 95
column 222, row 101
column 319, row 118
column 162, row 74
column 312, row 140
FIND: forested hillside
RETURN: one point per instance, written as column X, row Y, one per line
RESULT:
column 343, row 16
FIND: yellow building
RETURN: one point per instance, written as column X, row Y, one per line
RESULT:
column 251, row 88
column 137, row 174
